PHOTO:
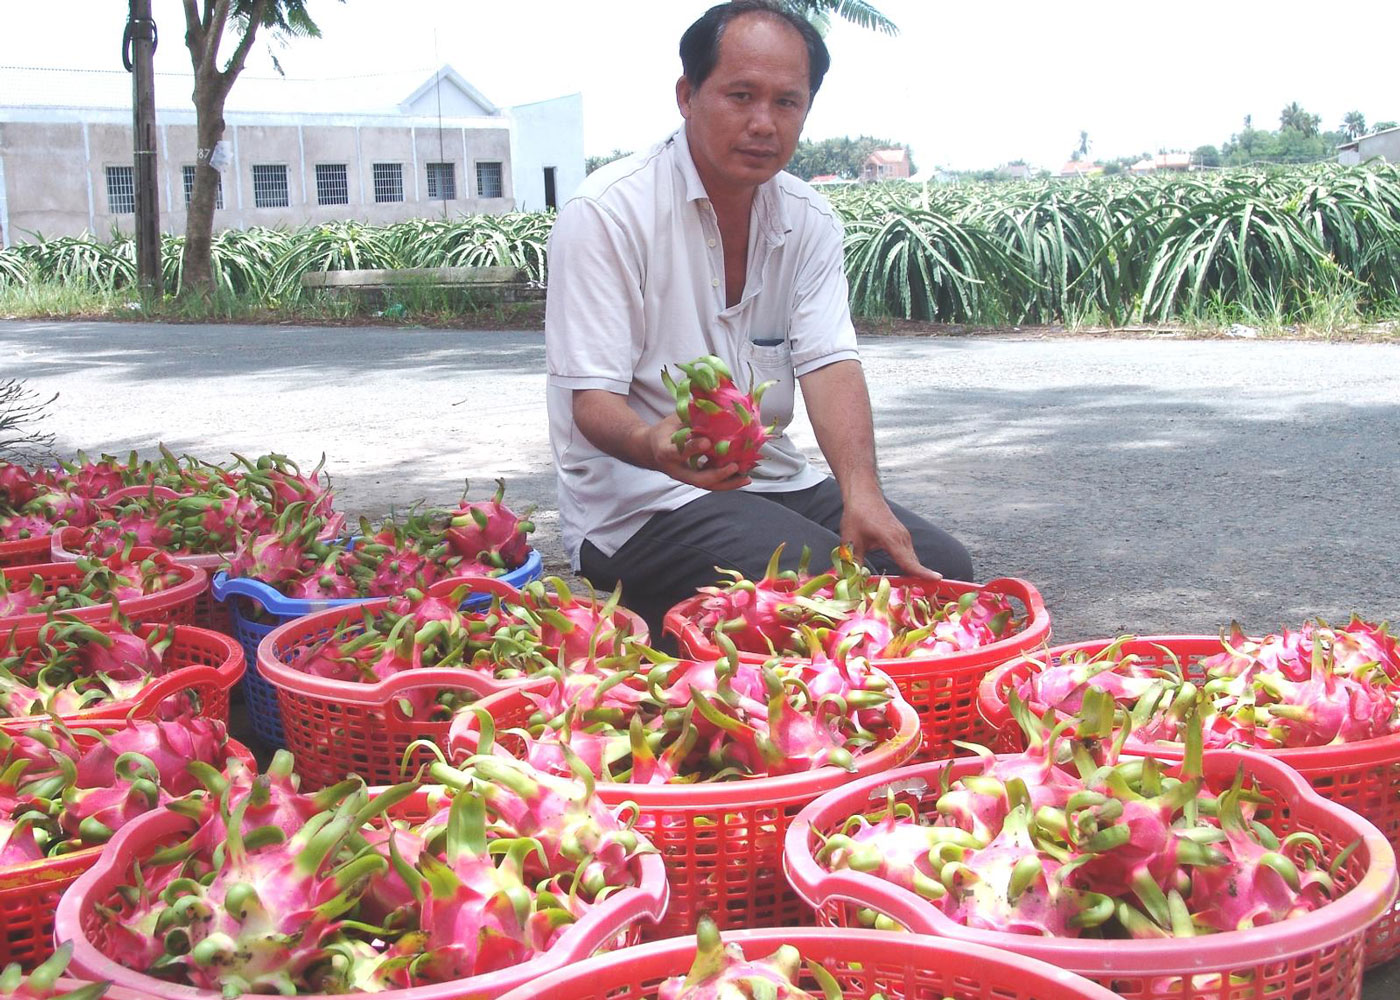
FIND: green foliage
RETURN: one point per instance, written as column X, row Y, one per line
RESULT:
column 842, row 156
column 592, row 163
column 858, row 12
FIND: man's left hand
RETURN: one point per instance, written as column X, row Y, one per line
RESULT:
column 868, row 523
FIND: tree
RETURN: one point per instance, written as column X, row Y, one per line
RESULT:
column 841, row 156
column 1354, row 124
column 204, row 33
column 592, row 163
column 858, row 12
column 1294, row 117
column 1206, row 156
column 1382, row 126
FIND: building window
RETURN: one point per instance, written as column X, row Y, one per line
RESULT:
column 121, row 191
column 270, row 185
column 488, row 180
column 442, row 182
column 188, row 177
column 332, row 186
column 388, row 182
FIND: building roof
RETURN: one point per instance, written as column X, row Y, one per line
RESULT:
column 1356, row 143
column 1075, row 168
column 372, row 94
column 888, row 155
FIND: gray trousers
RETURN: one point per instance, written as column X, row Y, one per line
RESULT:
column 678, row 551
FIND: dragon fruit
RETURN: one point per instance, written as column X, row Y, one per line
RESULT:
column 42, row 983
column 722, row 972
column 713, row 408
column 489, row 533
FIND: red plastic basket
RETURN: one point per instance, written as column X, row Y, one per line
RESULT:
column 24, row 551
column 206, row 664
column 69, row 545
column 723, row 842
column 1363, row 776
column 173, row 604
column 865, row 963
column 944, row 689
column 612, row 923
column 30, row 892
column 1318, row 955
column 335, row 728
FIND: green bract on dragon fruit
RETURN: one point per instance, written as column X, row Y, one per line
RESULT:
column 849, row 609
column 1314, row 686
column 713, row 408
column 271, row 890
column 105, row 580
column 721, row 972
column 646, row 718
column 42, row 983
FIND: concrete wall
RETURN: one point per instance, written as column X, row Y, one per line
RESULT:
column 1385, row 144
column 55, row 183
column 547, row 134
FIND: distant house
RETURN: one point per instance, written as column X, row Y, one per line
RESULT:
column 1162, row 161
column 827, row 180
column 1017, row 171
column 378, row 148
column 1080, row 168
column 886, row 165
column 1385, row 145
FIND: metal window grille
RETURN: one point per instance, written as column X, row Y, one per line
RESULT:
column 488, row 180
column 270, row 185
column 388, row 182
column 442, row 181
column 332, row 185
column 121, row 191
column 187, row 175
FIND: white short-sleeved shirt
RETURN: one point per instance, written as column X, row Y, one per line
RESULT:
column 636, row 283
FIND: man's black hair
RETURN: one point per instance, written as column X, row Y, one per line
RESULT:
column 700, row 43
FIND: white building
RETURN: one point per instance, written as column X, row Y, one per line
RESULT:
column 376, row 148
column 1385, row 145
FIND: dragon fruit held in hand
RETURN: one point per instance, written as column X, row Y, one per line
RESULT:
column 712, row 407
column 721, row 972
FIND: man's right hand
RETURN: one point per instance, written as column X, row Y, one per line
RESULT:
column 675, row 462
column 611, row 425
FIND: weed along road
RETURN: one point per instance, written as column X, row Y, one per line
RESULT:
column 1144, row 485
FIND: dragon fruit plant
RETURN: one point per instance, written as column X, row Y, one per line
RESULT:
column 712, row 407
column 109, row 580
column 1072, row 839
column 848, row 610
column 43, row 984
column 1314, row 686
column 645, row 718
column 72, row 666
column 275, row 890
column 721, row 972
column 546, row 628
column 62, row 790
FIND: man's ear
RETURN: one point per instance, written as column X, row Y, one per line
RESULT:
column 683, row 96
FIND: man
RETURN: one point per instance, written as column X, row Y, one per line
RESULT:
column 702, row 246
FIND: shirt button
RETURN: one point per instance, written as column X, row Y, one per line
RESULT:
column 710, row 242
column 714, row 282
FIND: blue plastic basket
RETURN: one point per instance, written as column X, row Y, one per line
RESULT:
column 263, row 712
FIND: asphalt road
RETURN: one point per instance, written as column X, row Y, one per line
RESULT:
column 1147, row 486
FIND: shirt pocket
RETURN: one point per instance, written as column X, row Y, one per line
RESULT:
column 772, row 363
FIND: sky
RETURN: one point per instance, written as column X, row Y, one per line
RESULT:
column 967, row 86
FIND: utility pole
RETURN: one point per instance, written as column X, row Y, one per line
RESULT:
column 138, row 52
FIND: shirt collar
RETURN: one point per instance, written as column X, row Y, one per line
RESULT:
column 768, row 205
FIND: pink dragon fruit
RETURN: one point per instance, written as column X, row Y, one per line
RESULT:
column 490, row 533
column 712, row 408
column 722, row 971
column 169, row 745
column 41, row 984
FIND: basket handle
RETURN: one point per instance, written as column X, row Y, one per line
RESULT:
column 147, row 703
column 479, row 585
column 138, row 492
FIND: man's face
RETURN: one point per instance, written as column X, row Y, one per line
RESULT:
column 744, row 121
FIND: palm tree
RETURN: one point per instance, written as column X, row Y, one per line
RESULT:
column 1293, row 116
column 1354, row 124
column 858, row 12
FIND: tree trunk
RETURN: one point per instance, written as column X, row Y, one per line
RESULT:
column 197, row 272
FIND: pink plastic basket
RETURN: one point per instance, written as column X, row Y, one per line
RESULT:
column 723, row 842
column 612, row 923
column 207, row 664
column 68, row 545
column 29, row 893
column 173, row 604
column 335, row 728
column 864, row 963
column 1318, row 955
column 944, row 689
column 24, row 551
column 1363, row 776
